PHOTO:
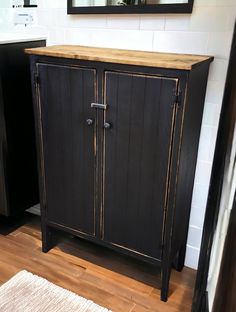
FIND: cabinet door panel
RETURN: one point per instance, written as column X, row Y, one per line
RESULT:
column 136, row 159
column 66, row 94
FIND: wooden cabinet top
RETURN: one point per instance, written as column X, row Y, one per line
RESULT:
column 140, row 58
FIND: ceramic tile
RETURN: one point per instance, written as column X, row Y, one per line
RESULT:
column 180, row 42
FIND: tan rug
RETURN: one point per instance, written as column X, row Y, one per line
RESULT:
column 26, row 292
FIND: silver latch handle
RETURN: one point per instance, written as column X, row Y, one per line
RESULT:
column 100, row 106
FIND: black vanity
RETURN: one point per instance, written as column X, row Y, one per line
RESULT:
column 18, row 169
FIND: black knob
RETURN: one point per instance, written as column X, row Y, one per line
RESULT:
column 107, row 125
column 89, row 121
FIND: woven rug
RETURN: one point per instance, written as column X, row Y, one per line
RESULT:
column 26, row 292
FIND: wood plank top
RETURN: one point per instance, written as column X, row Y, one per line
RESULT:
column 130, row 57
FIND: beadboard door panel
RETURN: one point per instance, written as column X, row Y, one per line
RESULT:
column 66, row 94
column 137, row 148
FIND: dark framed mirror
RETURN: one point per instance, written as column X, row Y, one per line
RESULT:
column 30, row 3
column 128, row 6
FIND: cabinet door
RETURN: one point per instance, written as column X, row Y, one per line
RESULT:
column 137, row 149
column 66, row 94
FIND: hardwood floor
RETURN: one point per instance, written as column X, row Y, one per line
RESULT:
column 109, row 279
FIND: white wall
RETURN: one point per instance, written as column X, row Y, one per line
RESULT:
column 5, row 4
column 207, row 31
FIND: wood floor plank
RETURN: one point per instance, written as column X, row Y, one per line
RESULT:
column 115, row 287
column 108, row 278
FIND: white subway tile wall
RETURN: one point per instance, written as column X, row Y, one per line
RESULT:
column 208, row 30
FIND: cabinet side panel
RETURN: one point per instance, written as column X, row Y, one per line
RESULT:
column 3, row 195
column 195, row 97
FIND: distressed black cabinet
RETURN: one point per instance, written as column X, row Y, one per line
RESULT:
column 18, row 165
column 117, row 147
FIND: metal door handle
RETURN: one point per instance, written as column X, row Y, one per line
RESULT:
column 89, row 122
column 98, row 105
column 107, row 125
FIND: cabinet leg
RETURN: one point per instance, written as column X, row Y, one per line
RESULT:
column 48, row 239
column 179, row 261
column 165, row 276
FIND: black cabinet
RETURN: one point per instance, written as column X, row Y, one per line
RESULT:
column 18, row 166
column 117, row 148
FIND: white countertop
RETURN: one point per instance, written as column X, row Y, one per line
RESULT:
column 17, row 37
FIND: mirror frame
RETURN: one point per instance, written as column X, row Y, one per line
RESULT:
column 172, row 8
column 27, row 4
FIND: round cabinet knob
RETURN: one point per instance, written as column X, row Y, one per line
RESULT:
column 107, row 125
column 89, row 121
